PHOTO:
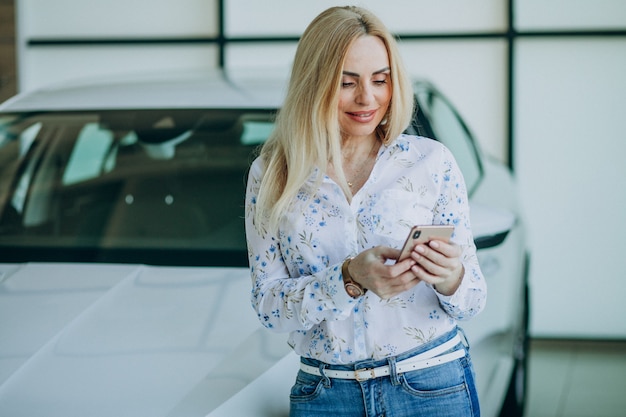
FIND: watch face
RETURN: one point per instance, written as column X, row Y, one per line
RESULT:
column 353, row 290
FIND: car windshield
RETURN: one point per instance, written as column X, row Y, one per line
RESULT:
column 150, row 186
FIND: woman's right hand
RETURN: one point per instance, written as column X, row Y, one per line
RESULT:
column 370, row 269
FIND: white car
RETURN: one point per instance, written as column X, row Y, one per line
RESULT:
column 124, row 288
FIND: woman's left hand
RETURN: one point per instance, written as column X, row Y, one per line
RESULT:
column 439, row 264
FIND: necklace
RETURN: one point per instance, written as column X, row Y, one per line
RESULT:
column 362, row 166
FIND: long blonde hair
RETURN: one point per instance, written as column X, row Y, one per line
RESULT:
column 307, row 134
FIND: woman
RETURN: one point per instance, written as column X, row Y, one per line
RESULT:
column 330, row 201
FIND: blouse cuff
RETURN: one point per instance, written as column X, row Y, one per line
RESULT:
column 335, row 290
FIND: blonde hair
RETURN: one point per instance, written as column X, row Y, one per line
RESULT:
column 307, row 134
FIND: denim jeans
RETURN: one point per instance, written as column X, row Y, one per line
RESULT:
column 444, row 390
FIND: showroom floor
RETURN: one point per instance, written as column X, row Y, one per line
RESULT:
column 577, row 379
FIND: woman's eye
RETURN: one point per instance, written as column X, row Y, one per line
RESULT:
column 380, row 82
column 347, row 84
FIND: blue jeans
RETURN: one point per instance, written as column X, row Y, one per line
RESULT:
column 446, row 390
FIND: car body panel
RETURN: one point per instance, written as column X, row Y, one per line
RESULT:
column 144, row 336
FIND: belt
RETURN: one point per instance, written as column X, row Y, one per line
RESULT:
column 432, row 357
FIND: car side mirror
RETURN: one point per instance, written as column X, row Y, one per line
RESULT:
column 490, row 225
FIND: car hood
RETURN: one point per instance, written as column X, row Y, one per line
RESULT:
column 155, row 90
column 127, row 340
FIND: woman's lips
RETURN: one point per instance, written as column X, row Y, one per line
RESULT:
column 362, row 116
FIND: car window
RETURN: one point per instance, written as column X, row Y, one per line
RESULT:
column 86, row 160
column 156, row 182
column 256, row 132
column 15, row 145
column 449, row 129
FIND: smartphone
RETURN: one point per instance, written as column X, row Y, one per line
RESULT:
column 424, row 234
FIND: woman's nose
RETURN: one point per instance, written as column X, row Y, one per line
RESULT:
column 364, row 95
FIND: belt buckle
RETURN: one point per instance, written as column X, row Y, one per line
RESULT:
column 371, row 375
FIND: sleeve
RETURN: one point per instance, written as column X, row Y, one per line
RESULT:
column 453, row 208
column 286, row 303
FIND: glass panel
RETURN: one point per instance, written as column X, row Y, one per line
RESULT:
column 41, row 67
column 129, row 179
column 569, row 162
column 119, row 18
column 247, row 18
column 471, row 74
column 570, row 14
column 273, row 58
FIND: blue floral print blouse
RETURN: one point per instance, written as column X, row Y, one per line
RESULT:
column 297, row 284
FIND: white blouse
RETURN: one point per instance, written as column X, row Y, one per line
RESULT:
column 297, row 283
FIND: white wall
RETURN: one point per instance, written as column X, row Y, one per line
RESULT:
column 289, row 17
column 569, row 96
column 570, row 152
column 111, row 19
column 570, row 144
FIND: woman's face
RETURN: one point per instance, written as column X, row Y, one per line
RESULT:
column 365, row 88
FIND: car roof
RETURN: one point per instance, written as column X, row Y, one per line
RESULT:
column 184, row 90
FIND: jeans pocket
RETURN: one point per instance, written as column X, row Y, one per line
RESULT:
column 306, row 388
column 440, row 380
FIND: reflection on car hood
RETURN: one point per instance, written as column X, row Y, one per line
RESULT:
column 117, row 340
column 184, row 90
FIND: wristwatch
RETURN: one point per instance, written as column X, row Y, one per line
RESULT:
column 354, row 289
